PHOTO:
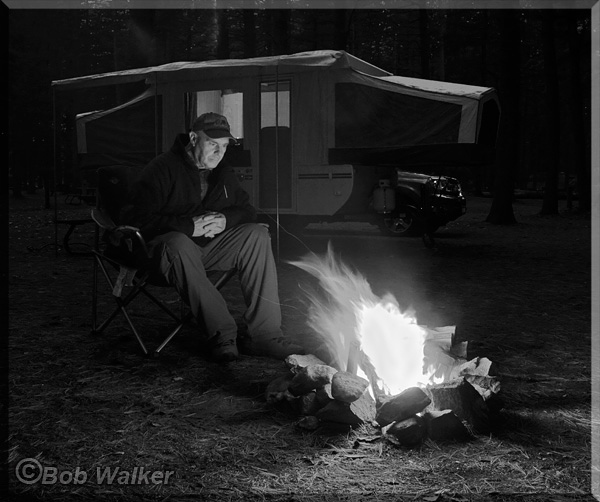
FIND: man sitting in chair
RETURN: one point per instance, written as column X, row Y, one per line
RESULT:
column 196, row 218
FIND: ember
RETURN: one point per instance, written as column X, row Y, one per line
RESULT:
column 382, row 367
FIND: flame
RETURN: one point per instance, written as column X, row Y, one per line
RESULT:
column 350, row 317
column 394, row 343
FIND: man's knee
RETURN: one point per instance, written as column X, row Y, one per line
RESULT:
column 257, row 234
column 256, row 230
column 177, row 242
column 261, row 230
column 175, row 246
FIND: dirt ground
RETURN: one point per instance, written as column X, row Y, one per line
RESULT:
column 81, row 404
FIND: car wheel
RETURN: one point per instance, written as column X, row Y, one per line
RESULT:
column 399, row 223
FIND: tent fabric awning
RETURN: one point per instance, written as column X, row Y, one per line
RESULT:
column 438, row 87
column 185, row 70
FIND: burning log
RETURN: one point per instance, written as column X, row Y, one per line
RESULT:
column 347, row 387
column 401, row 406
column 369, row 336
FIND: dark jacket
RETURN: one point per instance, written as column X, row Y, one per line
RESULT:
column 167, row 195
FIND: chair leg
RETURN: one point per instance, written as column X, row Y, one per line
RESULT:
column 95, row 295
column 160, row 304
column 219, row 283
column 121, row 304
column 135, row 331
column 185, row 319
column 139, row 287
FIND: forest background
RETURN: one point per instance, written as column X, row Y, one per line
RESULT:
column 524, row 295
column 537, row 55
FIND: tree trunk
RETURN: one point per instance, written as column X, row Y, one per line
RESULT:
column 222, row 34
column 249, row 33
column 481, row 172
column 342, row 17
column 581, row 160
column 15, row 162
column 280, row 24
column 142, row 25
column 507, row 159
column 552, row 147
column 424, row 47
column 441, row 63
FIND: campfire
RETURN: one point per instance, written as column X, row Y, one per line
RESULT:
column 376, row 365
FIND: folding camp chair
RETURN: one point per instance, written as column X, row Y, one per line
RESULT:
column 126, row 275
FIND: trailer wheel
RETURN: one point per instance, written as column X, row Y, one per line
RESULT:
column 400, row 224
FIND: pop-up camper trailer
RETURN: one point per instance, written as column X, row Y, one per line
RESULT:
column 323, row 135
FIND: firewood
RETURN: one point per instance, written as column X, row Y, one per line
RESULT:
column 489, row 388
column 308, row 403
column 441, row 362
column 401, row 406
column 347, row 387
column 297, row 361
column 445, row 426
column 409, row 432
column 278, row 389
column 479, row 366
column 354, row 414
column 487, row 384
column 309, row 423
column 460, row 349
column 461, row 397
column 324, row 395
column 443, row 335
column 311, row 377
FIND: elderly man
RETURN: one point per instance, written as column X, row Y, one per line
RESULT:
column 197, row 218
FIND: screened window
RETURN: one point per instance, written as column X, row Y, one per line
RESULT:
column 370, row 117
column 131, row 134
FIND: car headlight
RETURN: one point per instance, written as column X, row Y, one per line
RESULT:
column 443, row 185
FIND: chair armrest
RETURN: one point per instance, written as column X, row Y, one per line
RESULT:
column 117, row 234
column 133, row 233
column 102, row 219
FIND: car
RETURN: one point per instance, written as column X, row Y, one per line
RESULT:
column 412, row 203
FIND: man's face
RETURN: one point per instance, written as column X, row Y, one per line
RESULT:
column 208, row 151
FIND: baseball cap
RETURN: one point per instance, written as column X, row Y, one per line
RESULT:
column 213, row 125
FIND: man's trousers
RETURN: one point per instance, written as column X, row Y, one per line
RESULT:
column 184, row 264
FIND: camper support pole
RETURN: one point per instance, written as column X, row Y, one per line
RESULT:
column 277, row 153
column 155, row 114
column 55, row 148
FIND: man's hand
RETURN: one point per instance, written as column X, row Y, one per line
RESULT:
column 209, row 224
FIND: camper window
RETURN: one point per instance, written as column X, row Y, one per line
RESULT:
column 228, row 102
column 275, row 104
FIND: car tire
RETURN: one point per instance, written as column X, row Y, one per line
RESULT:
column 400, row 224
